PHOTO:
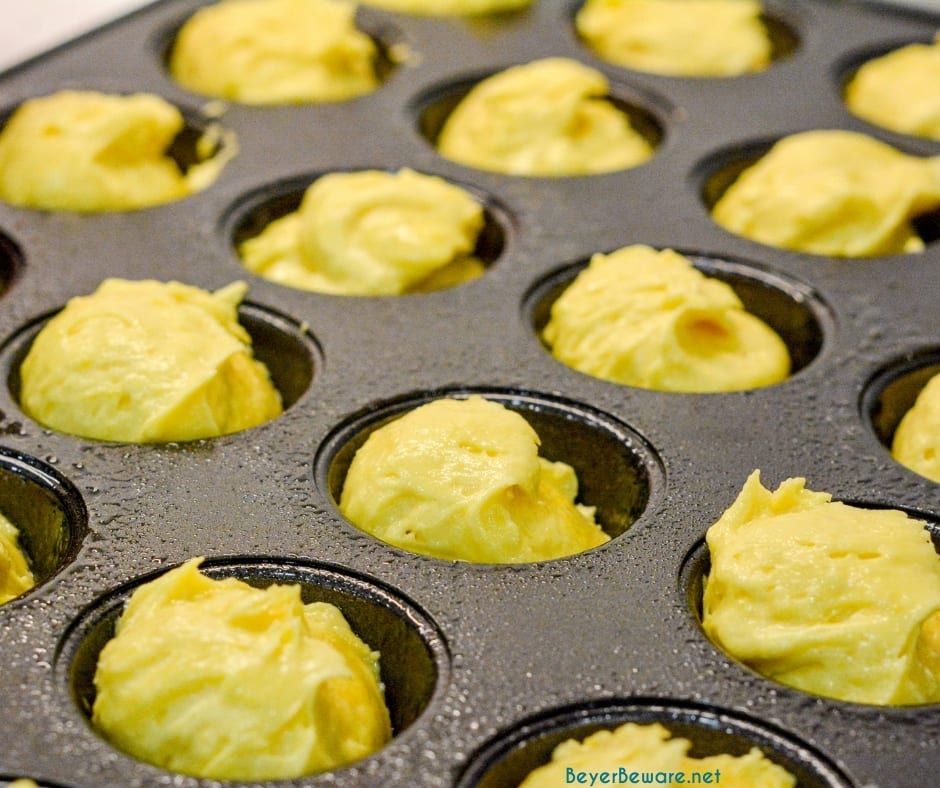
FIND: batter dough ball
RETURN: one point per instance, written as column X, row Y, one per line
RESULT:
column 831, row 599
column 648, row 318
column 15, row 575
column 89, row 152
column 546, row 118
column 917, row 439
column 462, row 480
column 449, row 7
column 687, row 38
column 650, row 748
column 836, row 193
column 143, row 362
column 899, row 91
column 372, row 233
column 218, row 679
column 275, row 52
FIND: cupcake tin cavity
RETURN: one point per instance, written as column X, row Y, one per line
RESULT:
column 486, row 666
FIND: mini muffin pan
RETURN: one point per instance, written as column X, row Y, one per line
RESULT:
column 486, row 667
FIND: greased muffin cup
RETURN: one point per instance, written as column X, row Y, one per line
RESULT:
column 481, row 655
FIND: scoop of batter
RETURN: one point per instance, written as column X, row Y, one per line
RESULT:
column 449, row 7
column 372, row 233
column 147, row 361
column 689, row 38
column 899, row 90
column 649, row 748
column 15, row 574
column 833, row 193
column 218, row 679
column 88, row 152
column 648, row 318
column 917, row 438
column 546, row 118
column 275, row 52
column 828, row 598
column 462, row 480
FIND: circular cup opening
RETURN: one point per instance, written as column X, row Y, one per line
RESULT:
column 280, row 343
column 11, row 261
column 891, row 393
column 616, row 469
column 389, row 43
column 792, row 309
column 253, row 213
column 46, row 509
column 783, row 35
column 720, row 170
column 696, row 567
column 510, row 758
column 433, row 108
column 414, row 663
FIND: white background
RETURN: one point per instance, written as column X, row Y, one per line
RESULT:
column 28, row 27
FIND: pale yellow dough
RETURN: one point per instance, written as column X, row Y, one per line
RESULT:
column 218, row 679
column 15, row 574
column 836, row 193
column 88, row 152
column 688, row 38
column 648, row 318
column 462, row 480
column 899, row 91
column 372, row 233
column 546, row 118
column 917, row 438
column 275, row 52
column 650, row 748
column 449, row 7
column 831, row 599
column 147, row 361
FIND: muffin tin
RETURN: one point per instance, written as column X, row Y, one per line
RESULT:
column 486, row 667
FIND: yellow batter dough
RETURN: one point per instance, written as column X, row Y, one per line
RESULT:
column 688, row 38
column 462, row 480
column 15, row 575
column 275, row 52
column 650, row 748
column 88, row 152
column 917, row 438
column 833, row 193
column 831, row 599
column 648, row 318
column 449, row 7
column 372, row 233
column 145, row 362
column 899, row 91
column 546, row 118
column 218, row 679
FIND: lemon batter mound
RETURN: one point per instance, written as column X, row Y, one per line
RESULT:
column 688, row 38
column 217, row 679
column 917, row 439
column 650, row 748
column 449, row 7
column 648, row 318
column 836, row 193
column 275, row 52
column 15, row 575
column 462, row 480
column 831, row 599
column 142, row 362
column 88, row 152
column 899, row 91
column 372, row 233
column 546, row 118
